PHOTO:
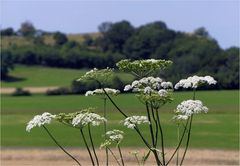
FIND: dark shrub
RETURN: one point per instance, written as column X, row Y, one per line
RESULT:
column 59, row 91
column 21, row 92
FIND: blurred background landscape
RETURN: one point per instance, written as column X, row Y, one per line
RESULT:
column 41, row 58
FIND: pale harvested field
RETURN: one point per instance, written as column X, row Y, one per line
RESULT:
column 30, row 89
column 51, row 157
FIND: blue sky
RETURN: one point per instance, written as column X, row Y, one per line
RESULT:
column 220, row 18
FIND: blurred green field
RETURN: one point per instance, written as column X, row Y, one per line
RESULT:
column 38, row 76
column 218, row 129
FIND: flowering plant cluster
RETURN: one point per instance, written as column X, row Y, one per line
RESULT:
column 153, row 92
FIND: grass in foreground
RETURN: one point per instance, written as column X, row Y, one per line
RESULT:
column 217, row 129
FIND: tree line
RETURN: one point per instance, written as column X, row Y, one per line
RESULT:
column 191, row 53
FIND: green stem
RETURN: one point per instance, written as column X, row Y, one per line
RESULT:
column 114, row 156
column 120, row 153
column 105, row 127
column 56, row 142
column 150, row 125
column 156, row 126
column 90, row 136
column 188, row 139
column 114, row 104
column 85, row 142
column 137, row 159
column 162, row 140
column 177, row 141
column 137, row 130
column 152, row 135
column 180, row 142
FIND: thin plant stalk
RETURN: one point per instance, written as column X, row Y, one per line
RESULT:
column 162, row 139
column 85, row 142
column 56, row 142
column 113, row 155
column 152, row 135
column 180, row 142
column 91, row 140
column 136, row 157
column 189, row 131
column 188, row 139
column 120, row 153
column 105, row 126
column 114, row 103
column 177, row 141
column 137, row 130
column 156, row 126
column 150, row 125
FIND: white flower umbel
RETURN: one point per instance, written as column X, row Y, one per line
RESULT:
column 163, row 93
column 40, row 120
column 167, row 85
column 148, row 84
column 86, row 118
column 101, row 75
column 132, row 121
column 101, row 92
column 195, row 81
column 180, row 117
column 115, row 135
column 190, row 107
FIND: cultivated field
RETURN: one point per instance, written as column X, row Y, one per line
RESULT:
column 215, row 138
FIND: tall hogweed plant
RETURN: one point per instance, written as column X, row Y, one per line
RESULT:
column 154, row 93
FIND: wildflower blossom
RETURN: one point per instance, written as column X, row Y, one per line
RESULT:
column 101, row 92
column 86, row 118
column 142, row 68
column 100, row 75
column 147, row 83
column 115, row 135
column 132, row 121
column 163, row 93
column 180, row 117
column 167, row 85
column 195, row 81
column 190, row 107
column 40, row 120
column 106, row 143
column 127, row 87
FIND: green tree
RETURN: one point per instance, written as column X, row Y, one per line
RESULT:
column 146, row 40
column 6, row 64
column 115, row 37
column 27, row 29
column 7, row 32
column 60, row 38
column 201, row 32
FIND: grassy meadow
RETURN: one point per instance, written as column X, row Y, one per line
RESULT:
column 218, row 129
column 38, row 76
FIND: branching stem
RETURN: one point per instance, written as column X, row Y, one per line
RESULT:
column 56, row 142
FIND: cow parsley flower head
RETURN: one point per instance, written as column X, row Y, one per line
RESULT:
column 86, row 118
column 40, row 120
column 163, row 93
column 195, row 81
column 115, row 135
column 167, row 85
column 132, row 121
column 142, row 68
column 101, row 92
column 148, row 84
column 180, row 117
column 190, row 107
column 100, row 75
